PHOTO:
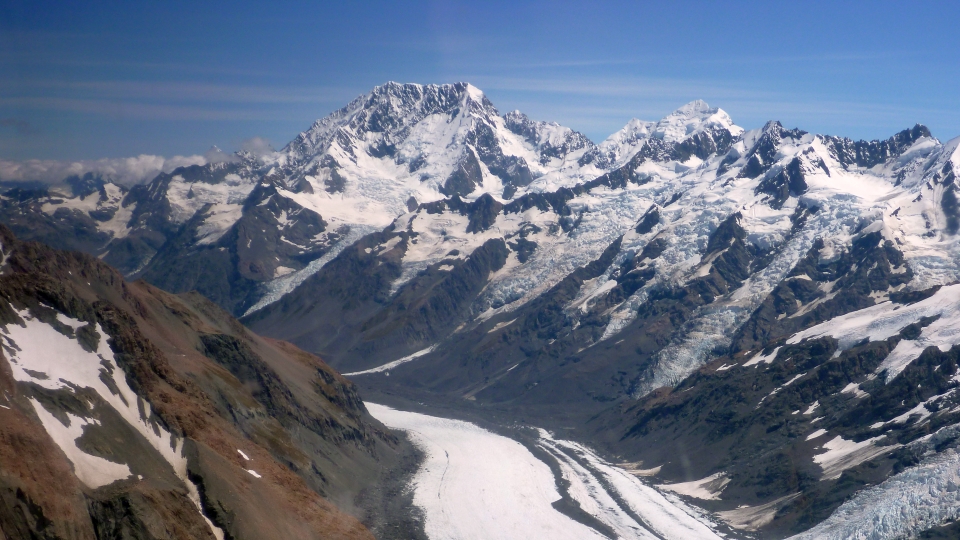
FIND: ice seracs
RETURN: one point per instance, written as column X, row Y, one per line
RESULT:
column 912, row 501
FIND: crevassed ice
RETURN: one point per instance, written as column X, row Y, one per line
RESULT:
column 914, row 500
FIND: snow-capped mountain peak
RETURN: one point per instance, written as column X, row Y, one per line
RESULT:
column 550, row 139
column 694, row 117
column 390, row 109
column 952, row 149
column 695, row 129
column 634, row 131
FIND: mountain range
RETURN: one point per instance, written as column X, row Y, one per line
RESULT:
column 767, row 315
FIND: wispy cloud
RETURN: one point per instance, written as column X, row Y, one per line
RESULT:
column 121, row 109
column 600, row 105
column 163, row 99
column 632, row 87
column 181, row 91
column 126, row 171
column 258, row 146
column 18, row 125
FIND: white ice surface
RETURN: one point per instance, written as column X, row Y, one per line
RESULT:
column 476, row 484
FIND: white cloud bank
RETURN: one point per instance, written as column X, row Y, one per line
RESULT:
column 127, row 171
column 124, row 171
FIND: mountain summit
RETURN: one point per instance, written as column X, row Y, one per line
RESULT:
column 423, row 141
column 694, row 125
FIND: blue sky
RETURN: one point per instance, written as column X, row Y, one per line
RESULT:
column 104, row 79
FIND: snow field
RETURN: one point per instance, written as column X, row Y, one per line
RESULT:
column 708, row 489
column 116, row 225
column 841, row 454
column 887, row 319
column 274, row 290
column 93, row 471
column 390, row 365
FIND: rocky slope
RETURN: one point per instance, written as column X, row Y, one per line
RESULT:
column 128, row 412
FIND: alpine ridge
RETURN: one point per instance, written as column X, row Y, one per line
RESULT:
column 350, row 174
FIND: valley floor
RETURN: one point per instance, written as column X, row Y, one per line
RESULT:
column 476, row 484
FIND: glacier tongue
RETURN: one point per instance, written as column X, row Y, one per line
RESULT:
column 476, row 484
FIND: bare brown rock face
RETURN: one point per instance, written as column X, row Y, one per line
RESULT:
column 258, row 439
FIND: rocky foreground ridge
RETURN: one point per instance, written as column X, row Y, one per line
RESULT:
column 128, row 412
